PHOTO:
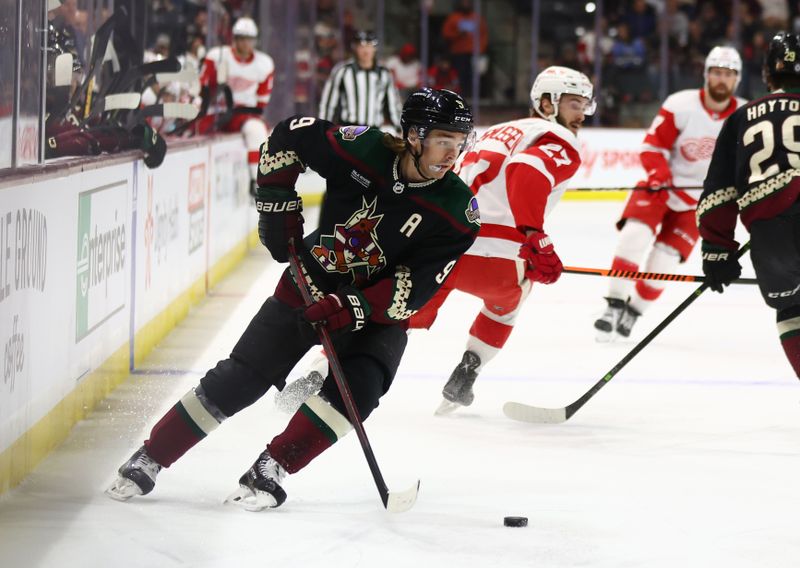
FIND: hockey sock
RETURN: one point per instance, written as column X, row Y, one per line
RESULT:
column 618, row 287
column 312, row 430
column 484, row 351
column 634, row 239
column 191, row 419
column 789, row 330
column 662, row 258
column 490, row 329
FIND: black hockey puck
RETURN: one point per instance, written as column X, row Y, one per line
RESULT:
column 515, row 521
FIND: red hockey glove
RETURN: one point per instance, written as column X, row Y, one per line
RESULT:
column 346, row 310
column 542, row 262
column 652, row 194
column 279, row 220
column 658, row 173
column 720, row 266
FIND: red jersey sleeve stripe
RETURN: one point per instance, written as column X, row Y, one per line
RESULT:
column 208, row 75
column 264, row 91
column 663, row 132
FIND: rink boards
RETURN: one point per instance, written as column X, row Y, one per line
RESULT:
column 99, row 259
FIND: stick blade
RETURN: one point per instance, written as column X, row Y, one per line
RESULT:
column 534, row 414
column 119, row 101
column 400, row 502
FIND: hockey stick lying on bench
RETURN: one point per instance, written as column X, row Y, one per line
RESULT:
column 393, row 502
column 634, row 275
column 540, row 415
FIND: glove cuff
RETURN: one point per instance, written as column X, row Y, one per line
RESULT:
column 278, row 200
column 708, row 246
column 359, row 307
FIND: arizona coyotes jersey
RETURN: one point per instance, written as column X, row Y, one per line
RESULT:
column 755, row 169
column 519, row 171
column 250, row 80
column 684, row 132
column 373, row 225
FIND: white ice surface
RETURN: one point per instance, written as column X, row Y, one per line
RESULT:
column 688, row 457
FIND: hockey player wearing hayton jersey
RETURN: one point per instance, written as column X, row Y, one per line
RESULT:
column 677, row 150
column 394, row 221
column 249, row 74
column 518, row 171
column 755, row 173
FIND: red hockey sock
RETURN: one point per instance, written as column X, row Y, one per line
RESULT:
column 789, row 330
column 185, row 424
column 312, row 430
column 620, row 263
column 490, row 332
column 647, row 291
column 791, row 346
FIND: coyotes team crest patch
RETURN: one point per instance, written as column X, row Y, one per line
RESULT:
column 353, row 247
column 350, row 133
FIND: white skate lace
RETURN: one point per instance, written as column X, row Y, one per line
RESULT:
column 146, row 463
column 271, row 469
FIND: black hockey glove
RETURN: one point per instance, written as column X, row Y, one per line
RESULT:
column 279, row 220
column 151, row 143
column 720, row 266
column 346, row 310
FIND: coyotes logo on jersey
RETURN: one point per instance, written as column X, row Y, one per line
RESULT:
column 353, row 246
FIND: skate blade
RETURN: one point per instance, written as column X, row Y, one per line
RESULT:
column 123, row 489
column 250, row 500
column 446, row 407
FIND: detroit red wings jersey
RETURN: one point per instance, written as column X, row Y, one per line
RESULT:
column 519, row 171
column 684, row 132
column 250, row 80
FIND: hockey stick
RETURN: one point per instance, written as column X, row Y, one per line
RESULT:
column 125, row 80
column 540, row 415
column 634, row 275
column 666, row 188
column 117, row 101
column 393, row 502
column 186, row 111
column 187, row 75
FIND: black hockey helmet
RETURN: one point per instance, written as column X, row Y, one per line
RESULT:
column 783, row 56
column 429, row 108
column 365, row 36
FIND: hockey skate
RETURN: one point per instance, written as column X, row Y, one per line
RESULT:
column 626, row 321
column 137, row 476
column 607, row 323
column 259, row 487
column 458, row 390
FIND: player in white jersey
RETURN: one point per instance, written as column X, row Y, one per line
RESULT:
column 518, row 171
column 249, row 73
column 676, row 152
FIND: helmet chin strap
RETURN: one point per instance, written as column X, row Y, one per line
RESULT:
column 415, row 158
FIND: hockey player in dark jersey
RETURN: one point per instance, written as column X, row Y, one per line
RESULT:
column 393, row 222
column 755, row 173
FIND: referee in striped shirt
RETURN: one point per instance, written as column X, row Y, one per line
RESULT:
column 359, row 91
